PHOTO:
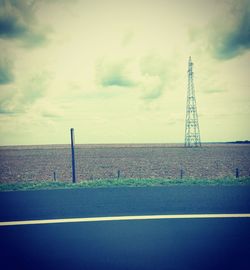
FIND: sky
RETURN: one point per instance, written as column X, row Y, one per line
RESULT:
column 116, row 71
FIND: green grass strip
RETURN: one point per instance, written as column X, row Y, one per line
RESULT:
column 104, row 183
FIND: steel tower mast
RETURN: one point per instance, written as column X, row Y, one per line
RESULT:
column 192, row 131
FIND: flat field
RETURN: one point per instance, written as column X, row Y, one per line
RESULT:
column 38, row 163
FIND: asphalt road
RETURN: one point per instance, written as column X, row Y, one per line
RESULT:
column 219, row 243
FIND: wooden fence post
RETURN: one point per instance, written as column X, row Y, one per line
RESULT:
column 237, row 173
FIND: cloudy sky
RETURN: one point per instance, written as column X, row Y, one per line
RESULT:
column 116, row 70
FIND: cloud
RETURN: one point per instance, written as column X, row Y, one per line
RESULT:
column 151, row 86
column 153, row 80
column 7, row 99
column 5, row 112
column 33, row 90
column 10, row 27
column 20, row 99
column 6, row 75
column 17, row 21
column 148, row 74
column 214, row 91
column 114, row 73
column 235, row 39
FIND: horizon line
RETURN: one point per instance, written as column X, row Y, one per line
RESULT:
column 125, row 143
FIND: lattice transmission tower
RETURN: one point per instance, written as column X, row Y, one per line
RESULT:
column 192, row 131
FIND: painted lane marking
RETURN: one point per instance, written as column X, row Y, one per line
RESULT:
column 121, row 218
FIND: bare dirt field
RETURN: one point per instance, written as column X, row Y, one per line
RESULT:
column 32, row 163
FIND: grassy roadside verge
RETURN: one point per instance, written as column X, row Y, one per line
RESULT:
column 104, row 183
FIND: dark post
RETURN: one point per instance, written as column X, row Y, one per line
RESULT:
column 237, row 173
column 181, row 173
column 54, row 175
column 118, row 174
column 73, row 155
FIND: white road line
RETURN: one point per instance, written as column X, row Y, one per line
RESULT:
column 120, row 218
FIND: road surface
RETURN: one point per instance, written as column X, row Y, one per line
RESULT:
column 186, row 243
